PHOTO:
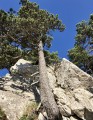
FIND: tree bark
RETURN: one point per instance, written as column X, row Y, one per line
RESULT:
column 47, row 97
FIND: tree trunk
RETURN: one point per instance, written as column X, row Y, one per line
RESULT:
column 47, row 97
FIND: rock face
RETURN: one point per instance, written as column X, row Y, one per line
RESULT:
column 13, row 104
column 72, row 88
column 23, row 67
column 72, row 94
column 16, row 91
column 70, row 77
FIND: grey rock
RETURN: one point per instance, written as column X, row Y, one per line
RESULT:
column 71, row 86
column 13, row 105
column 65, row 118
column 23, row 67
column 88, row 114
column 69, row 76
column 63, row 101
column 73, row 118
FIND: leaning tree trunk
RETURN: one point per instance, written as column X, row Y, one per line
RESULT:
column 47, row 97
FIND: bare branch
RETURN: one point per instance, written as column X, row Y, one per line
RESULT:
column 35, row 83
column 34, row 74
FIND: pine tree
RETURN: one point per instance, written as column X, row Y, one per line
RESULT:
column 30, row 30
column 10, row 52
column 82, row 53
column 35, row 25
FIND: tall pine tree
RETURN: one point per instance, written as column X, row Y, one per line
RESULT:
column 30, row 30
column 35, row 25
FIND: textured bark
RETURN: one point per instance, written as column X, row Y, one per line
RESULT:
column 47, row 97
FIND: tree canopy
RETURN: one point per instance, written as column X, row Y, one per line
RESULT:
column 82, row 53
column 35, row 24
column 20, row 34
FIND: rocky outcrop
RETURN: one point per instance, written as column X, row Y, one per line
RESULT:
column 13, row 104
column 75, row 103
column 72, row 88
column 16, row 90
column 70, row 77
column 29, row 72
column 72, row 93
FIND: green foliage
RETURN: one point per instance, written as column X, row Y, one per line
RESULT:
column 24, row 117
column 82, row 53
column 84, row 36
column 2, row 115
column 9, row 51
column 9, row 56
column 35, row 25
column 51, row 58
column 23, row 2
column 20, row 34
column 78, row 56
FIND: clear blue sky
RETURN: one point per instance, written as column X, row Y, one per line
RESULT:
column 70, row 12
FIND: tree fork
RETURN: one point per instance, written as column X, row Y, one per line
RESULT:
column 47, row 97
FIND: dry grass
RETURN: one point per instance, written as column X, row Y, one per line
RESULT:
column 30, row 112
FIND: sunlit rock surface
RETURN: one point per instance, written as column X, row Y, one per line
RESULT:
column 71, row 86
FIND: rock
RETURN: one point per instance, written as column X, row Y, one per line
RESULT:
column 71, row 92
column 75, row 102
column 13, row 105
column 61, row 96
column 72, row 89
column 51, row 76
column 7, row 77
column 88, row 114
column 83, row 102
column 14, row 85
column 65, row 110
column 43, row 116
column 62, row 101
column 73, row 118
column 84, row 97
column 65, row 118
column 77, row 109
column 91, row 89
column 23, row 67
column 69, row 76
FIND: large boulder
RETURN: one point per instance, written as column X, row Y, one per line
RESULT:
column 26, row 71
column 23, row 67
column 70, row 77
column 72, row 95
